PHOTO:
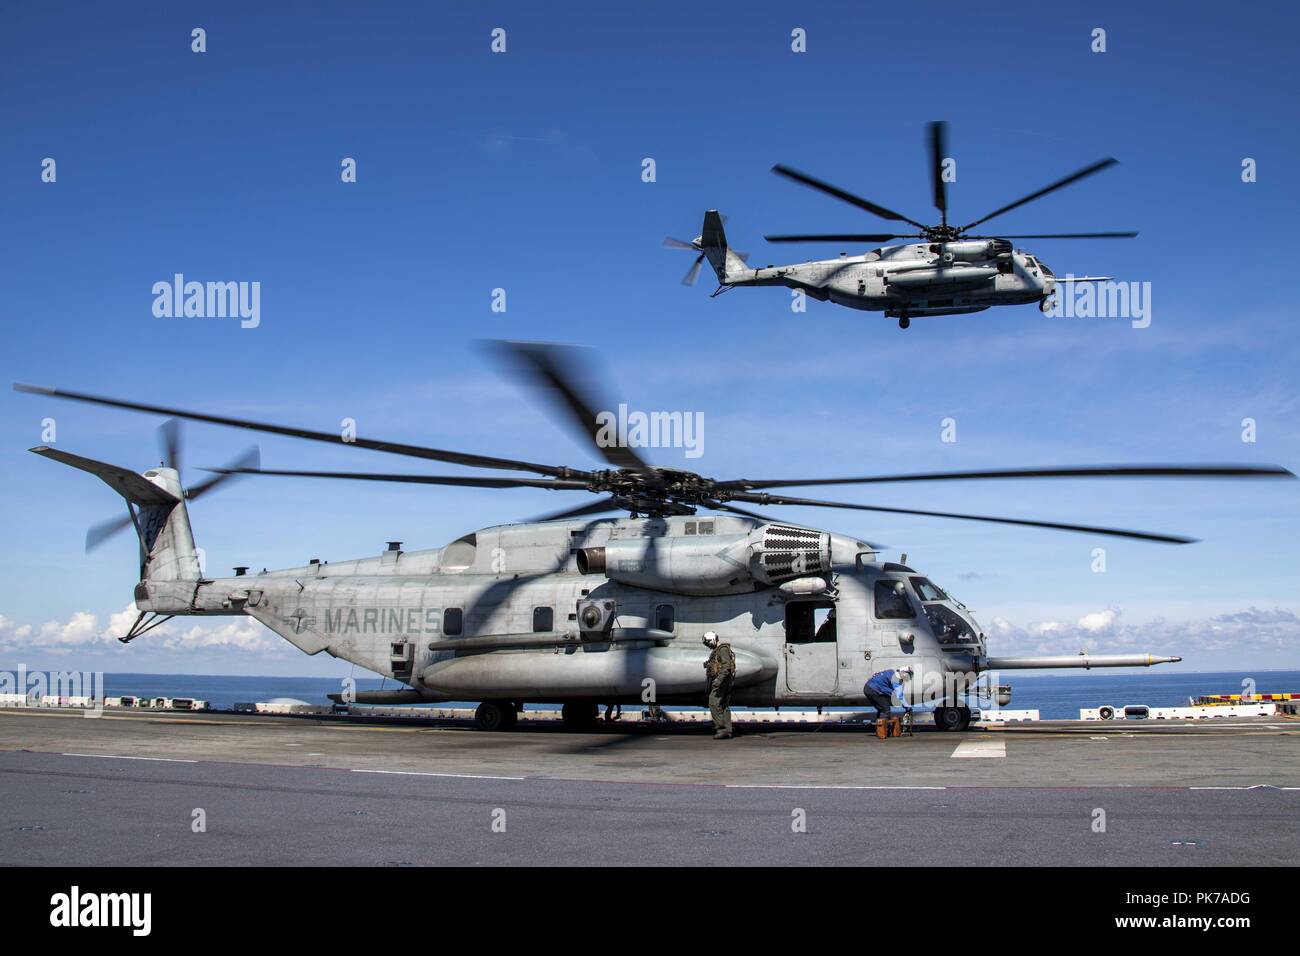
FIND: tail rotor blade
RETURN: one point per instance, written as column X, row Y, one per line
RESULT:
column 169, row 440
column 671, row 243
column 251, row 459
column 693, row 272
column 99, row 533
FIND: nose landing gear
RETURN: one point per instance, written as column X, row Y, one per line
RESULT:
column 952, row 718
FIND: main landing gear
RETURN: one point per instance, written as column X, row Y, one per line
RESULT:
column 952, row 718
column 496, row 715
column 904, row 321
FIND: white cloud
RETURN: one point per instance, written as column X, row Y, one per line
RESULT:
column 1099, row 620
column 82, row 632
column 1251, row 631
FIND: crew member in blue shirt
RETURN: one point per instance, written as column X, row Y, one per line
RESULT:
column 879, row 690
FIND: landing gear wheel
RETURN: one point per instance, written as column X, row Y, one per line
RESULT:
column 495, row 715
column 579, row 715
column 904, row 321
column 952, row 718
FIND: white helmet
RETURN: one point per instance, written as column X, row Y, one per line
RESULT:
column 710, row 638
column 905, row 670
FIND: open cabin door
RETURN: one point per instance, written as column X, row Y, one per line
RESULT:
column 811, row 649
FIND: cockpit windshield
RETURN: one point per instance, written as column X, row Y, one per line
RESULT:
column 949, row 626
column 927, row 590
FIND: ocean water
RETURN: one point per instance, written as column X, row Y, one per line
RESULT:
column 1056, row 696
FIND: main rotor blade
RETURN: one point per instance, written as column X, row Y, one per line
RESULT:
column 938, row 142
column 464, row 481
column 552, row 367
column 333, row 438
column 97, row 534
column 604, row 506
column 169, row 439
column 1090, row 471
column 719, row 506
column 1060, row 235
column 1059, row 184
column 843, row 195
column 246, row 463
column 765, row 499
column 842, row 237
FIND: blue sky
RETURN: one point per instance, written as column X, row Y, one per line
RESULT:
column 523, row 171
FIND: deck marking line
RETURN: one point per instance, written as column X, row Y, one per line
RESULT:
column 816, row 786
column 425, row 773
column 124, row 757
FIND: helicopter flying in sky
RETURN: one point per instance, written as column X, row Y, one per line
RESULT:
column 952, row 271
column 582, row 609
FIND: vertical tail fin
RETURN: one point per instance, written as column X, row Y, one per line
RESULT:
column 727, row 264
column 155, row 502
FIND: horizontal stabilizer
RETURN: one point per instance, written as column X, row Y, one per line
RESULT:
column 129, row 484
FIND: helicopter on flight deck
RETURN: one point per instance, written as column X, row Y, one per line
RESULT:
column 580, row 608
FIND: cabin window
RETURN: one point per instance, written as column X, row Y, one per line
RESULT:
column 665, row 618
column 453, row 621
column 706, row 527
column 892, row 602
column 543, row 619
column 809, row 622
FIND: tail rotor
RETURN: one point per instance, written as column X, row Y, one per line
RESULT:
column 711, row 245
column 170, row 444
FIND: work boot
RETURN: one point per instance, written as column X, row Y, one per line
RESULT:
column 722, row 735
column 881, row 729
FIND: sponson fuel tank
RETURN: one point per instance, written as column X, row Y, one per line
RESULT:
column 586, row 672
column 712, row 564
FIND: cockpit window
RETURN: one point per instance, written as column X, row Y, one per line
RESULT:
column 1046, row 271
column 949, row 626
column 891, row 600
column 927, row 590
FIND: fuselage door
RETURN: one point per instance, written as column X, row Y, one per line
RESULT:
column 811, row 648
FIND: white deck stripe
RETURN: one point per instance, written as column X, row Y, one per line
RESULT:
column 994, row 747
column 423, row 773
column 124, row 757
column 815, row 786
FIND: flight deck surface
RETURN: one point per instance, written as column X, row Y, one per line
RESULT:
column 125, row 788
